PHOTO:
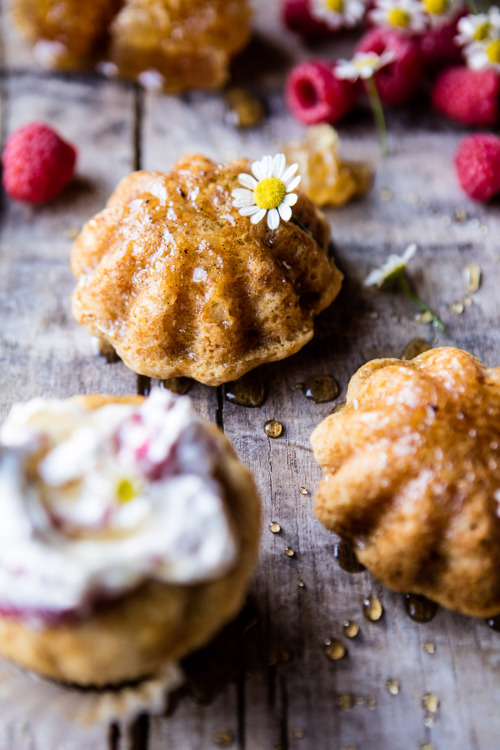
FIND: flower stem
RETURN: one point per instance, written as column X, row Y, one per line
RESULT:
column 405, row 287
column 378, row 114
column 472, row 6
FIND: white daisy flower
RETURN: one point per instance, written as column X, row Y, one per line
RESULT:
column 440, row 12
column 338, row 14
column 404, row 15
column 363, row 65
column 473, row 28
column 481, row 55
column 393, row 266
column 268, row 191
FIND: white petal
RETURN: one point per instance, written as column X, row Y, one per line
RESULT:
column 241, row 193
column 279, row 166
column 273, row 219
column 258, row 169
column 374, row 277
column 293, row 184
column 289, row 173
column 409, row 252
column 285, row 212
column 243, row 202
column 267, row 164
column 249, row 210
column 247, row 180
column 258, row 216
column 290, row 199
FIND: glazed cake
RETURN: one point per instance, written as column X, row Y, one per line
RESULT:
column 180, row 283
column 162, row 43
column 412, row 476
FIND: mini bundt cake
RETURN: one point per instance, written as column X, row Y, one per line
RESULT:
column 129, row 533
column 180, row 283
column 163, row 43
column 412, row 476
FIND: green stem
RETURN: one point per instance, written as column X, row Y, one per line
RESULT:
column 472, row 6
column 420, row 303
column 378, row 114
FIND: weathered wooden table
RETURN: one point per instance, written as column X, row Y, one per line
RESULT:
column 267, row 683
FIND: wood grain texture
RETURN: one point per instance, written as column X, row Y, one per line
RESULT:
column 276, row 687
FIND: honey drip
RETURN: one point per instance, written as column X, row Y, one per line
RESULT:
column 414, row 348
column 419, row 608
column 321, row 388
column 223, row 739
column 247, row 391
column 350, row 629
column 494, row 623
column 180, row 386
column 346, row 557
column 334, row 650
column 372, row 608
column 273, row 429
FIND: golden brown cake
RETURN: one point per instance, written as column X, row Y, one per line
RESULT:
column 164, row 43
column 181, row 284
column 129, row 534
column 412, row 476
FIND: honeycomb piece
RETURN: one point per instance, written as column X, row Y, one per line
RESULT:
column 412, row 476
column 326, row 178
column 181, row 284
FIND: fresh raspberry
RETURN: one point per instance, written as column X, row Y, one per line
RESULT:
column 296, row 15
column 478, row 166
column 438, row 46
column 398, row 81
column 37, row 163
column 469, row 96
column 315, row 95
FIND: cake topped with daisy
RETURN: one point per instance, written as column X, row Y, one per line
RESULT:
column 206, row 271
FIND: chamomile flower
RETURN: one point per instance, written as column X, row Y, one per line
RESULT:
column 268, row 191
column 440, row 12
column 403, row 15
column 393, row 266
column 475, row 27
column 481, row 55
column 393, row 271
column 363, row 65
column 338, row 14
column 479, row 34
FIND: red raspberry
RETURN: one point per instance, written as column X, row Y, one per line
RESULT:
column 398, row 81
column 37, row 163
column 296, row 15
column 315, row 95
column 478, row 166
column 469, row 96
column 438, row 46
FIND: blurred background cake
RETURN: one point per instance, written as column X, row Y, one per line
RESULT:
column 163, row 43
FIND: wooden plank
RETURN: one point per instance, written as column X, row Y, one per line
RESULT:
column 44, row 351
column 289, row 697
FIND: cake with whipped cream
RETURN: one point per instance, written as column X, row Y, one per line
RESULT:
column 129, row 532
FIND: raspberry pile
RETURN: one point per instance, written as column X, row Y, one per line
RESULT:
column 37, row 163
column 457, row 58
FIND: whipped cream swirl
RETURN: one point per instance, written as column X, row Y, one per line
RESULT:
column 93, row 503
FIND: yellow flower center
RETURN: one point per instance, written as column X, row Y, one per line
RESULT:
column 482, row 32
column 399, row 17
column 337, row 6
column 269, row 193
column 493, row 51
column 436, row 7
column 126, row 491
